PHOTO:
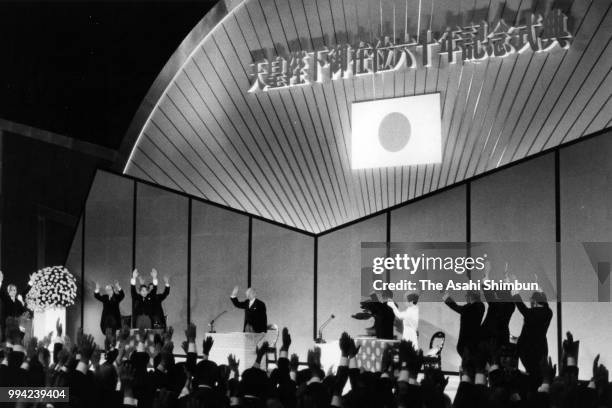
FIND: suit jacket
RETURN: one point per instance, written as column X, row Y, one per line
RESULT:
column 111, row 316
column 158, row 316
column 469, row 324
column 255, row 315
column 11, row 308
column 497, row 319
column 535, row 325
column 384, row 318
column 140, row 305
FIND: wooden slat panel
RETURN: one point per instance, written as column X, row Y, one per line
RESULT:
column 285, row 154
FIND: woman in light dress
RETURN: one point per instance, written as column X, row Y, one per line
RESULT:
column 410, row 318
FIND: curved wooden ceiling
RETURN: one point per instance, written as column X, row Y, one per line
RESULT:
column 284, row 154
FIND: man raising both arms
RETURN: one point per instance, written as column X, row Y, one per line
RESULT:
column 158, row 317
column 142, row 304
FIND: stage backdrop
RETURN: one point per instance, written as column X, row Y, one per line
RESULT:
column 206, row 250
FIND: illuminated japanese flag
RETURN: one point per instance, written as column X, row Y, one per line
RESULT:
column 396, row 132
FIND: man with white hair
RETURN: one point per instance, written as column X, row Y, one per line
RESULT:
column 11, row 304
column 255, row 317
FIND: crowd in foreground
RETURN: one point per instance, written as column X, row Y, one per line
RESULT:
column 138, row 369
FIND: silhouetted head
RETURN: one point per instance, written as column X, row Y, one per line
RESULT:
column 109, row 290
column 144, row 290
column 472, row 297
column 12, row 290
column 413, row 298
column 387, row 295
column 538, row 299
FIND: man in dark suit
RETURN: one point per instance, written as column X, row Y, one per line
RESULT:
column 255, row 316
column 12, row 305
column 158, row 316
column 469, row 323
column 111, row 316
column 495, row 327
column 532, row 343
column 384, row 317
column 142, row 304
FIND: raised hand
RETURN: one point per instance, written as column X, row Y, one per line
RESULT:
column 20, row 298
column 117, row 285
column 207, row 345
column 570, row 348
column 261, row 351
column 235, row 291
column 233, row 364
column 345, row 344
column 134, row 273
column 190, row 333
column 1, row 276
column 153, row 273
column 166, row 281
column 600, row 375
column 58, row 328
column 86, row 346
column 97, row 287
column 353, row 351
column 286, row 337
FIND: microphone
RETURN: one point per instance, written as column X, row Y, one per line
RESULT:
column 212, row 322
column 319, row 338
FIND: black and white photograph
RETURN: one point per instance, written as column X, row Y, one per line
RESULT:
column 305, row 203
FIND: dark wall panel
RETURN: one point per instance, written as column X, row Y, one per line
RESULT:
column 73, row 263
column 283, row 276
column 108, row 244
column 586, row 208
column 161, row 243
column 339, row 275
column 518, row 204
column 219, row 245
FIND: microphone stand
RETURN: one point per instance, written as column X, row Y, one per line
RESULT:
column 212, row 322
column 319, row 339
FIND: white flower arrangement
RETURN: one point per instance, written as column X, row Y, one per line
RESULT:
column 51, row 287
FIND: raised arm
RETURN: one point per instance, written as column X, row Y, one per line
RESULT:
column 236, row 302
column 120, row 294
column 452, row 304
column 520, row 305
column 166, row 291
column 133, row 283
column 97, row 293
column 396, row 311
column 239, row 304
